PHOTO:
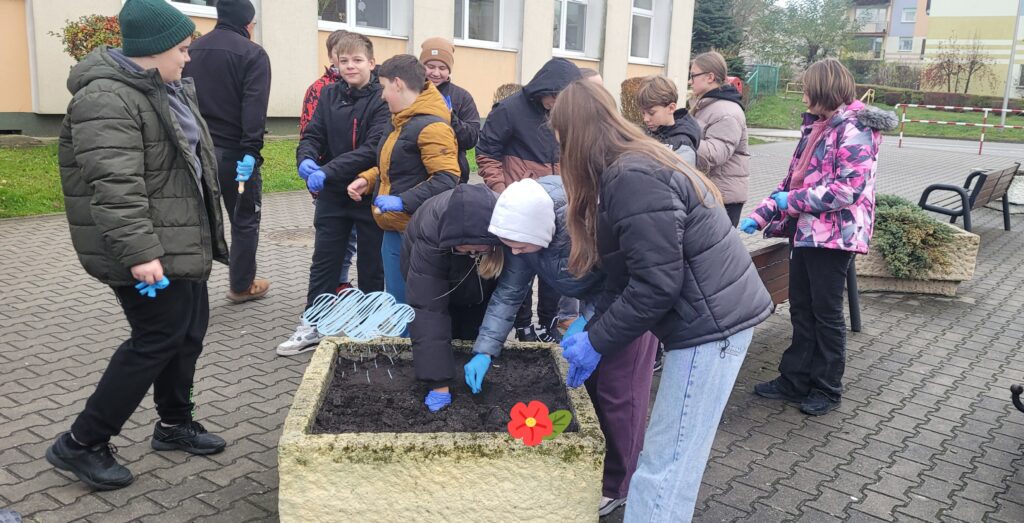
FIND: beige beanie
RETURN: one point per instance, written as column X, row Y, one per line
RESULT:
column 438, row 48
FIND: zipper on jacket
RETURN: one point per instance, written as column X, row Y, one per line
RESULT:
column 355, row 126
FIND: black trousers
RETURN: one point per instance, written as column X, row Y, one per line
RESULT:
column 734, row 210
column 244, row 214
column 333, row 225
column 547, row 306
column 440, row 363
column 166, row 339
column 816, row 358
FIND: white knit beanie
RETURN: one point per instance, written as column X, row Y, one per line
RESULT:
column 524, row 213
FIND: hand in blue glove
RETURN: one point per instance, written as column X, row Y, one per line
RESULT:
column 388, row 203
column 582, row 358
column 476, row 369
column 437, row 400
column 148, row 290
column 781, row 199
column 307, row 167
column 244, row 168
column 748, row 225
column 315, row 181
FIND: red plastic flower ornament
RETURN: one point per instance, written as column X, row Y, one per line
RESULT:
column 530, row 423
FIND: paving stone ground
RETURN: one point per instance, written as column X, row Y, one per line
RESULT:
column 926, row 431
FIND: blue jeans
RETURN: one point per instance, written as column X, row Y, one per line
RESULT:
column 391, row 252
column 695, row 386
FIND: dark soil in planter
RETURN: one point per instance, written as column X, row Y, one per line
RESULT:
column 394, row 403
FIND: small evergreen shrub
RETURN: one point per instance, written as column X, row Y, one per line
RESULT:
column 504, row 91
column 911, row 242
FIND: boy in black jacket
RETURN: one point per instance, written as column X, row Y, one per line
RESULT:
column 673, row 127
column 232, row 76
column 349, row 122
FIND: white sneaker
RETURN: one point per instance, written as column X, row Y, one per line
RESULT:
column 608, row 505
column 305, row 339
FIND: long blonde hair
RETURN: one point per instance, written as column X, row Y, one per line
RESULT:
column 491, row 264
column 592, row 136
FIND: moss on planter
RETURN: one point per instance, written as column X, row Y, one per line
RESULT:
column 482, row 476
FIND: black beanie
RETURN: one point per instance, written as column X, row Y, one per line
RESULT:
column 238, row 13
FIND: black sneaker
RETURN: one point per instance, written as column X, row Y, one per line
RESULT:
column 547, row 335
column 772, row 391
column 818, row 404
column 526, row 334
column 191, row 437
column 94, row 465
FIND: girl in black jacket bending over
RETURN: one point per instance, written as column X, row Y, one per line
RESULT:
column 675, row 266
column 450, row 264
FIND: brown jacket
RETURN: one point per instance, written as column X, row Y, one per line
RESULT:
column 418, row 160
column 723, row 153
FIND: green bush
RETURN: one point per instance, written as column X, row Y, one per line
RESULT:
column 911, row 242
column 81, row 36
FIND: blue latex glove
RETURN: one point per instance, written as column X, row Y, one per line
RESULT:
column 582, row 358
column 244, row 168
column 388, row 203
column 476, row 369
column 315, row 181
column 575, row 327
column 437, row 400
column 781, row 199
column 748, row 225
column 307, row 167
column 148, row 290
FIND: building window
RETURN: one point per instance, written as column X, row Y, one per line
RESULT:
column 372, row 14
column 1020, row 77
column 906, row 44
column 876, row 48
column 640, row 30
column 572, row 16
column 872, row 19
column 478, row 20
column 204, row 8
column 909, row 14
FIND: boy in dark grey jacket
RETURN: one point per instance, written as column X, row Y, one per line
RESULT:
column 142, row 205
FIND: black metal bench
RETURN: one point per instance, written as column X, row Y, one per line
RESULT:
column 772, row 264
column 980, row 188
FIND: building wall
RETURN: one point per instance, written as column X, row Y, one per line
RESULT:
column 16, row 88
column 991, row 23
column 897, row 27
column 35, row 67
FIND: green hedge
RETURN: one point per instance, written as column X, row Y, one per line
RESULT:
column 894, row 95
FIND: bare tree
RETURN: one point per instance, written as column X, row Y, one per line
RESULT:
column 956, row 65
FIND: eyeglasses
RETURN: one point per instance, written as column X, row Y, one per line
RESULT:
column 694, row 75
column 473, row 254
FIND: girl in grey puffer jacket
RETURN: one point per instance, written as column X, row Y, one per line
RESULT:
column 530, row 219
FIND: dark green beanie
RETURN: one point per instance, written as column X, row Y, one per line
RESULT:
column 150, row 27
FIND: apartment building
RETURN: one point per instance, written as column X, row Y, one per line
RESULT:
column 991, row 23
column 891, row 30
column 497, row 42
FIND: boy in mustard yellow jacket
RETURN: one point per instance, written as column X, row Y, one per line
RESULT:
column 418, row 160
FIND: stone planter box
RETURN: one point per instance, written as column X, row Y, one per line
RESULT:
column 873, row 275
column 485, row 476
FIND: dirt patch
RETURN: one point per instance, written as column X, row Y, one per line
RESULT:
column 364, row 397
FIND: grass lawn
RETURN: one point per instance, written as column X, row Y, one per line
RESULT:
column 783, row 112
column 30, row 180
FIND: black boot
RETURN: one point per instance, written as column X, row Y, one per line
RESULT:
column 94, row 465
column 191, row 437
column 526, row 334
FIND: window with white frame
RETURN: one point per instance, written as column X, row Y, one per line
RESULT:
column 909, row 15
column 570, row 32
column 872, row 19
column 906, row 44
column 370, row 14
column 1020, row 77
column 641, row 34
column 204, row 8
column 478, row 20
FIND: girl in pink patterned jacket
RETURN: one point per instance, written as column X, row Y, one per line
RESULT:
column 826, row 207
